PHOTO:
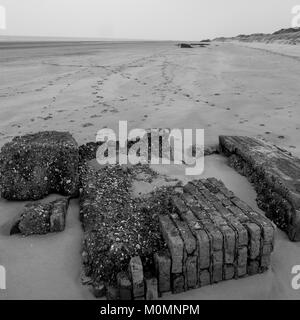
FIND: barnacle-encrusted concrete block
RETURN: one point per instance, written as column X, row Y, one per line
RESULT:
column 213, row 236
column 275, row 174
column 35, row 165
column 42, row 218
column 117, row 227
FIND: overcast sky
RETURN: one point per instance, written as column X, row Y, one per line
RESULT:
column 145, row 19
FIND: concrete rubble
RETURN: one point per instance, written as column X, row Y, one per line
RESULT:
column 41, row 218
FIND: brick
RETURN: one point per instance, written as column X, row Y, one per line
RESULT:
column 203, row 249
column 205, row 278
column 151, row 288
column 163, row 271
column 125, row 287
column 253, row 267
column 178, row 283
column 217, row 266
column 99, row 290
column 267, row 249
column 191, row 272
column 255, row 236
column 112, row 293
column 137, row 277
column 242, row 261
column 175, row 244
column 229, row 272
column 229, row 245
column 217, row 273
column 265, row 261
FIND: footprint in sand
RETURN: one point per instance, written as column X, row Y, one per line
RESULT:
column 15, row 126
column 46, row 118
column 281, row 137
column 86, row 125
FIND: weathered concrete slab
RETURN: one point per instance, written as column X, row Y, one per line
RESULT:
column 275, row 174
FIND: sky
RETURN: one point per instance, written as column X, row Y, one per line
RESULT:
column 145, row 19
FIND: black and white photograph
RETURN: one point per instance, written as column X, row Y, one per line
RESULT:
column 150, row 150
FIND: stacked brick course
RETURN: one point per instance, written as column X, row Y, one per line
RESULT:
column 212, row 236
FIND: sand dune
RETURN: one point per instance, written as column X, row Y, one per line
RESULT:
column 283, row 36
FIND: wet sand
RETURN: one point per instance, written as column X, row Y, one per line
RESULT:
column 225, row 89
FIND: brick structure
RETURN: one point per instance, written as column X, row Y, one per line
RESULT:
column 213, row 236
column 175, row 239
column 275, row 174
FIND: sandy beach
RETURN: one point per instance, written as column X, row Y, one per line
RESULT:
column 227, row 88
column 83, row 88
